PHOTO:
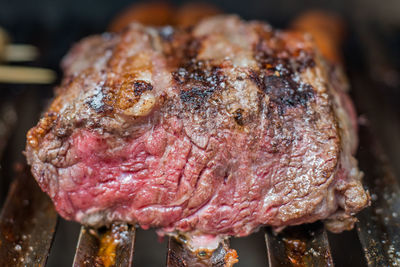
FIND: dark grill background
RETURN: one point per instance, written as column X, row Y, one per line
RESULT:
column 372, row 54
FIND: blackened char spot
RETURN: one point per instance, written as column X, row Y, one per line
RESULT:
column 238, row 116
column 195, row 96
column 141, row 86
column 283, row 91
column 286, row 92
column 304, row 60
column 198, row 81
column 279, row 71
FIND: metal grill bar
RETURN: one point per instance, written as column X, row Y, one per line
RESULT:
column 179, row 256
column 106, row 247
column 27, row 224
column 8, row 118
column 379, row 225
column 305, row 245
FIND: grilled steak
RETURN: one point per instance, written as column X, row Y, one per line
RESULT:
column 213, row 130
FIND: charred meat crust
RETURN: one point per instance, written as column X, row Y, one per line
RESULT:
column 214, row 129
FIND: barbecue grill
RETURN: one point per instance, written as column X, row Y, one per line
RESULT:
column 28, row 221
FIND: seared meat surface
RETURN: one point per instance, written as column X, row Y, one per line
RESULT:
column 213, row 130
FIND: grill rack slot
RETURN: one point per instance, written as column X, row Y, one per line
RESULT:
column 179, row 256
column 299, row 246
column 108, row 247
column 27, row 224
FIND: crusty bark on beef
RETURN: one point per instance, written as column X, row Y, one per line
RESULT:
column 217, row 129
